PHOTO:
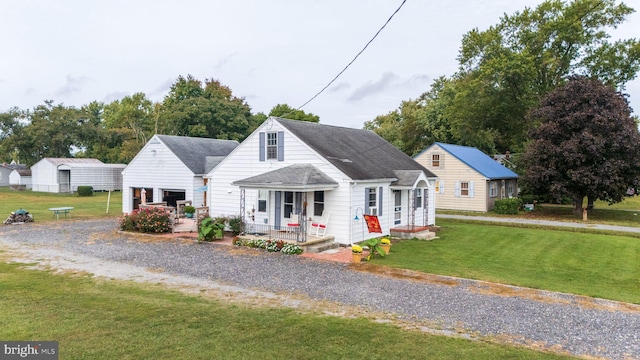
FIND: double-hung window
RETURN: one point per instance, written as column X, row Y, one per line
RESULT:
column 318, row 203
column 372, row 200
column 262, row 200
column 464, row 188
column 272, row 145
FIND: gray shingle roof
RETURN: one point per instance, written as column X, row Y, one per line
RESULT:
column 360, row 154
column 296, row 176
column 193, row 151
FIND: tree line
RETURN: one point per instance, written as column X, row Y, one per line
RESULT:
column 114, row 132
column 506, row 70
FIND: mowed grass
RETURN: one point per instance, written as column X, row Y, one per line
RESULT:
column 38, row 204
column 596, row 265
column 98, row 319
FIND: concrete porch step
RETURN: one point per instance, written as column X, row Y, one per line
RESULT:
column 420, row 234
column 319, row 246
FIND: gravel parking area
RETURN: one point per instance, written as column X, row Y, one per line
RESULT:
column 544, row 320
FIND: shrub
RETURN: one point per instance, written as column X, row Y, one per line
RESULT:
column 507, row 206
column 85, row 190
column 150, row 220
column 236, row 224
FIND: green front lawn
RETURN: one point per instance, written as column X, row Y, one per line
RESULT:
column 38, row 204
column 95, row 319
column 596, row 265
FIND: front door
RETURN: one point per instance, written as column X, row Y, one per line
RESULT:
column 397, row 207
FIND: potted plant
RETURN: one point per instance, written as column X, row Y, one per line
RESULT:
column 385, row 244
column 356, row 251
column 188, row 211
column 374, row 248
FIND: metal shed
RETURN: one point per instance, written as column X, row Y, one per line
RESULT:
column 64, row 175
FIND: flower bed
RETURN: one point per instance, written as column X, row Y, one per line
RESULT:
column 270, row 245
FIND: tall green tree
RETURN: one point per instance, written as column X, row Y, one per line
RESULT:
column 286, row 111
column 51, row 131
column 418, row 123
column 587, row 144
column 127, row 125
column 11, row 122
column 506, row 69
column 205, row 110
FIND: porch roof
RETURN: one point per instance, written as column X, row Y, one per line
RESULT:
column 406, row 179
column 292, row 177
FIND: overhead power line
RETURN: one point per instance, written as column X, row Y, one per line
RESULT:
column 354, row 59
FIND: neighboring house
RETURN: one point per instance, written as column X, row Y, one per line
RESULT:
column 64, row 175
column 172, row 168
column 468, row 179
column 20, row 179
column 5, row 171
column 291, row 171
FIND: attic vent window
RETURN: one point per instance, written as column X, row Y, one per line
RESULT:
column 435, row 160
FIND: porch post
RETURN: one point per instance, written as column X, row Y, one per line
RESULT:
column 301, row 235
column 242, row 205
column 412, row 207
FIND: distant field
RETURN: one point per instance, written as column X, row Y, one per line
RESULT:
column 38, row 204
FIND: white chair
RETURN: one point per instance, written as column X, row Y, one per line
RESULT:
column 319, row 228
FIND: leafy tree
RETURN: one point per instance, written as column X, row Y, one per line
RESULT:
column 11, row 122
column 418, row 123
column 49, row 131
column 505, row 70
column 127, row 125
column 191, row 109
column 286, row 111
column 587, row 144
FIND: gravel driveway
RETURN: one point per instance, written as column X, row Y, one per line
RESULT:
column 560, row 322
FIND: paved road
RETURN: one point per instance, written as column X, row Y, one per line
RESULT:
column 543, row 223
column 576, row 325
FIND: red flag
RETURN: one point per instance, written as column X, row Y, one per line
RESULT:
column 372, row 223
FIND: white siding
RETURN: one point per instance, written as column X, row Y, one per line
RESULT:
column 455, row 171
column 155, row 166
column 101, row 178
column 44, row 177
column 359, row 229
column 5, row 174
column 16, row 179
column 243, row 162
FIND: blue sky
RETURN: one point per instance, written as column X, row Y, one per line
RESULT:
column 269, row 52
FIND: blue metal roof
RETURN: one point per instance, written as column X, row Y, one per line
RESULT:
column 478, row 161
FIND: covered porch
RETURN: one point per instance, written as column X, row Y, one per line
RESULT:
column 287, row 204
column 411, row 206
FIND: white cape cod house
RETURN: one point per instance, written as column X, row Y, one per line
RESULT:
column 291, row 172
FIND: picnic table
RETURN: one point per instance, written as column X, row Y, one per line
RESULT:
column 64, row 210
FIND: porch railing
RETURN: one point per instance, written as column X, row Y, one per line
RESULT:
column 287, row 233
